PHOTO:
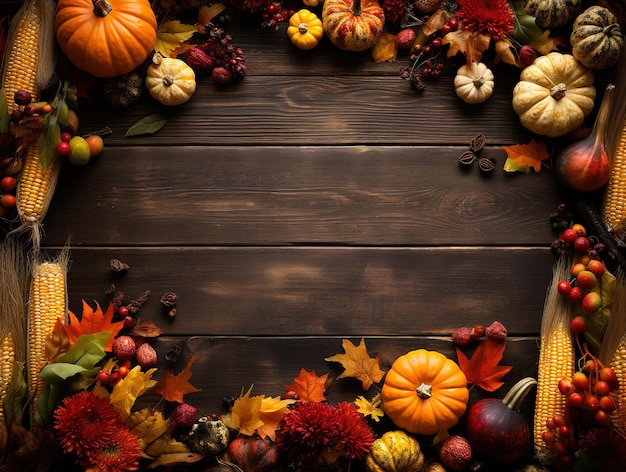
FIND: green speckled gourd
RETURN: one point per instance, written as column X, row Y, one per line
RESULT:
column 395, row 451
column 596, row 38
column 552, row 13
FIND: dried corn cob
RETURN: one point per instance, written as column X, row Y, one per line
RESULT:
column 614, row 204
column 618, row 363
column 47, row 303
column 556, row 359
column 7, row 358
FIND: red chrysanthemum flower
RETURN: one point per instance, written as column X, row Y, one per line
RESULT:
column 491, row 17
column 355, row 434
column 120, row 454
column 251, row 6
column 394, row 10
column 306, row 431
column 605, row 447
column 84, row 421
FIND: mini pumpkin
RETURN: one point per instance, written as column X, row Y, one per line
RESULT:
column 106, row 37
column 425, row 392
column 596, row 38
column 353, row 25
column 170, row 81
column 305, row 29
column 474, row 83
column 554, row 95
column 553, row 13
column 394, row 451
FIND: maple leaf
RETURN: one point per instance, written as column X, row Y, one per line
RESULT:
column 482, row 369
column 128, row 389
column 470, row 43
column 309, row 387
column 357, row 363
column 206, row 13
column 244, row 414
column 173, row 387
column 92, row 322
column 506, row 52
column 171, row 36
column 385, row 49
column 524, row 157
column 372, row 408
column 434, row 22
column 272, row 411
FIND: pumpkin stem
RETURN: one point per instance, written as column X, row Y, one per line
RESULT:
column 303, row 28
column 515, row 397
column 356, row 8
column 558, row 91
column 479, row 82
column 101, row 7
column 424, row 391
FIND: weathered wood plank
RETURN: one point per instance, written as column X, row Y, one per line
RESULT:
column 322, row 291
column 362, row 195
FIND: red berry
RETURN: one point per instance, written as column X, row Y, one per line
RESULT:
column 607, row 404
column 445, row 29
column 576, row 294
column 548, row 437
column 565, row 386
column 564, row 287
column 436, row 43
column 63, row 148
column 16, row 116
column 104, row 376
column 564, row 431
column 65, row 136
column 22, row 97
column 577, row 400
column 527, row 54
column 580, row 381
column 558, row 421
column 581, row 244
column 8, row 201
column 8, row 183
column 601, row 388
column 115, row 377
column 123, row 311
column 129, row 322
column 123, row 371
column 602, row 418
column 580, row 229
column 596, row 267
column 607, row 374
column 569, row 236
column 453, row 23
column 586, row 280
column 592, row 404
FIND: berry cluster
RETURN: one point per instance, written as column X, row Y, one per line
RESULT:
column 274, row 14
column 112, row 376
column 218, row 57
column 427, row 60
column 583, row 290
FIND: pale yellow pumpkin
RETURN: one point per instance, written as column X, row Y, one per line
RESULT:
column 474, row 83
column 395, row 451
column 170, row 81
column 554, row 95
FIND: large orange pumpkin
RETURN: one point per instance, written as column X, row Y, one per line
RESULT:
column 425, row 392
column 106, row 37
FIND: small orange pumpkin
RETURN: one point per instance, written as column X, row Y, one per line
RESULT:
column 425, row 392
column 106, row 37
column 353, row 25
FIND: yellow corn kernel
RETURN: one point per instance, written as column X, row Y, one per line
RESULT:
column 47, row 303
column 618, row 363
column 34, row 186
column 7, row 358
column 614, row 202
column 23, row 56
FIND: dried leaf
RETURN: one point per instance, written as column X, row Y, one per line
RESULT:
column 470, row 43
column 507, row 53
column 4, row 109
column 547, row 43
column 357, row 363
column 57, row 342
column 148, row 125
column 524, row 157
column 372, row 408
column 272, row 411
column 128, row 389
column 206, row 13
column 145, row 329
column 170, row 459
column 435, row 21
column 309, row 387
column 385, row 49
column 92, row 322
column 171, row 35
column 173, row 387
column 244, row 414
column 482, row 369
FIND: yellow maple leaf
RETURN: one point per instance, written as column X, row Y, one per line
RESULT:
column 309, row 387
column 371, row 408
column 171, row 36
column 244, row 414
column 357, row 363
column 470, row 43
column 272, row 411
column 507, row 53
column 385, row 49
column 524, row 157
column 128, row 389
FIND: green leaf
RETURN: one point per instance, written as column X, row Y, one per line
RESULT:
column 14, row 402
column 87, row 351
column 526, row 30
column 59, row 371
column 148, row 125
column 4, row 112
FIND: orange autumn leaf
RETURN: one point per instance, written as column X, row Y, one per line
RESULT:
column 357, row 363
column 173, row 387
column 470, row 43
column 309, row 387
column 524, row 157
column 94, row 321
column 435, row 21
column 385, row 49
column 57, row 342
column 482, row 369
column 272, row 411
column 244, row 414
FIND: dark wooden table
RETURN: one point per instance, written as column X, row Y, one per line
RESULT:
column 318, row 199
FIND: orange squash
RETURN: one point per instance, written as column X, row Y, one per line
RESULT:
column 106, row 37
column 353, row 25
column 425, row 392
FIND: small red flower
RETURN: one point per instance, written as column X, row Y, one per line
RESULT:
column 355, row 435
column 84, row 422
column 491, row 17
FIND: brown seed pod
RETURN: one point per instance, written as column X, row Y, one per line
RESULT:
column 467, row 158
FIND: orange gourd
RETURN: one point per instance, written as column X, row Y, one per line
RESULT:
column 106, row 37
column 425, row 392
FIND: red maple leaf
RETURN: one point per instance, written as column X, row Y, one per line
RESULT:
column 483, row 369
column 174, row 387
column 309, row 387
column 94, row 321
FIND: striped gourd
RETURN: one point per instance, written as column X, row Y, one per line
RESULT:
column 27, row 66
column 47, row 304
column 556, row 359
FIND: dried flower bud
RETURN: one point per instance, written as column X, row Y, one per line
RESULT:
column 467, row 158
column 169, row 299
column 478, row 142
column 461, row 336
column 199, row 61
column 486, row 164
column 118, row 266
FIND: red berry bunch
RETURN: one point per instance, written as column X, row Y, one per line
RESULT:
column 274, row 14
column 559, row 437
column 218, row 56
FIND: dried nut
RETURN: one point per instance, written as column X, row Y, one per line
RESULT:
column 478, row 142
column 169, row 299
column 486, row 164
column 118, row 266
column 146, row 356
column 199, row 60
column 467, row 158
column 172, row 313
